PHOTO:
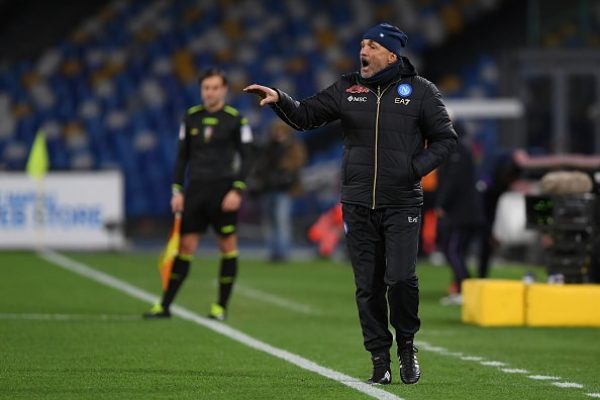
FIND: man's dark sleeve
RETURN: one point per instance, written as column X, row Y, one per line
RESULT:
column 311, row 112
column 182, row 159
column 449, row 175
column 437, row 130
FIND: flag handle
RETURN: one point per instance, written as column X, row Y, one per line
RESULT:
column 167, row 257
column 177, row 222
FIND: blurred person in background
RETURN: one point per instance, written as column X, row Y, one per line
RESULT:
column 208, row 187
column 388, row 113
column 277, row 176
column 506, row 170
column 459, row 206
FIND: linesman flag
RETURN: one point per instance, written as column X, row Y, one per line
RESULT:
column 37, row 163
column 165, row 261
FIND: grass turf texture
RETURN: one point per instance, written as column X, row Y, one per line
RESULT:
column 126, row 357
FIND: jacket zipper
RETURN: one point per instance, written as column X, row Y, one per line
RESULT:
column 379, row 95
column 376, row 147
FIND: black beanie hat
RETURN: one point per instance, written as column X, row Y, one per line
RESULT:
column 389, row 36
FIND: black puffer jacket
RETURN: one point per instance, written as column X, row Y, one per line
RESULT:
column 386, row 129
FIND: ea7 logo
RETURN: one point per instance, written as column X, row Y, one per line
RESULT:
column 413, row 220
column 356, row 98
column 404, row 102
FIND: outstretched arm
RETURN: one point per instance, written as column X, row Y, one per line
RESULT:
column 309, row 113
column 266, row 94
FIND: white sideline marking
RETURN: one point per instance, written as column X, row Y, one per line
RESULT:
column 471, row 358
column 437, row 349
column 428, row 347
column 274, row 299
column 70, row 317
column 544, row 378
column 493, row 363
column 514, row 370
column 568, row 385
column 225, row 330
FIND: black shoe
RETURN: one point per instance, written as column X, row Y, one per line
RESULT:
column 409, row 365
column 157, row 312
column 382, row 374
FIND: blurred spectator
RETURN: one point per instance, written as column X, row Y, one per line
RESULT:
column 460, row 211
column 277, row 177
column 505, row 171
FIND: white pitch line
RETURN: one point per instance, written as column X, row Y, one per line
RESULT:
column 514, row 370
column 225, row 330
column 440, row 350
column 594, row 395
column 472, row 358
column 437, row 349
column 70, row 317
column 275, row 300
column 568, row 385
column 454, row 354
column 493, row 363
column 544, row 378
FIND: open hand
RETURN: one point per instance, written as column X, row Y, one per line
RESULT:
column 266, row 94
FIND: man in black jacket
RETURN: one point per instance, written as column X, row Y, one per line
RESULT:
column 459, row 206
column 211, row 136
column 396, row 130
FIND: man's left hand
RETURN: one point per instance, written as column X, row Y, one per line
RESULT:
column 232, row 201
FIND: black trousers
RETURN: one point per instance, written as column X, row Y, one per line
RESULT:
column 455, row 246
column 383, row 246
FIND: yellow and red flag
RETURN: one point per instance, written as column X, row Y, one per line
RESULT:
column 165, row 261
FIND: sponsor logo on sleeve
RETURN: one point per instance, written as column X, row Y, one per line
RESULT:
column 357, row 89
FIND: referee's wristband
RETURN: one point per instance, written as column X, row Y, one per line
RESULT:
column 239, row 186
column 176, row 189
